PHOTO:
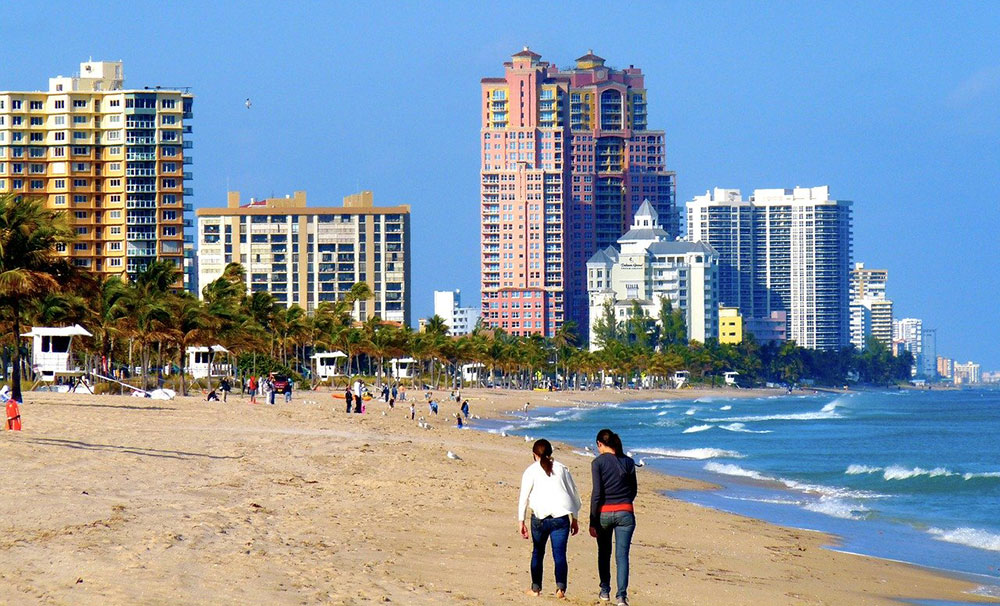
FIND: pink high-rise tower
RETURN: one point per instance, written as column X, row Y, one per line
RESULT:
column 566, row 161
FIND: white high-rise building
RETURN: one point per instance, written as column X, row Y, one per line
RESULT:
column 782, row 250
column 909, row 334
column 647, row 267
column 460, row 320
column 871, row 311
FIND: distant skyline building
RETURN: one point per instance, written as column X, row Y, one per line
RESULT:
column 786, row 250
column 115, row 160
column 946, row 368
column 730, row 325
column 909, row 334
column 871, row 311
column 567, row 158
column 647, row 267
column 967, row 374
column 309, row 255
column 460, row 320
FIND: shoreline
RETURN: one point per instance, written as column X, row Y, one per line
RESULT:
column 196, row 502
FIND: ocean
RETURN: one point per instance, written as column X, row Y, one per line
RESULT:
column 904, row 475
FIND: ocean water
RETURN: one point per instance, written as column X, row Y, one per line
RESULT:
column 905, row 475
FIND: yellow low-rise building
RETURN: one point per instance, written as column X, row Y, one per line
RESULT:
column 730, row 325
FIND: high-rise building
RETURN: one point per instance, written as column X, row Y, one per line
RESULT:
column 909, row 334
column 967, row 374
column 786, row 250
column 307, row 255
column 114, row 159
column 567, row 160
column 648, row 267
column 871, row 311
column 448, row 306
column 946, row 368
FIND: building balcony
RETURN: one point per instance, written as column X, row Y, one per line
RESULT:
column 188, row 160
column 187, row 144
column 187, row 175
column 188, row 207
column 132, row 156
column 140, row 172
column 141, row 221
column 140, row 140
column 188, row 191
column 140, row 188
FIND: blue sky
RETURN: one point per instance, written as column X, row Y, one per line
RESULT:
column 896, row 106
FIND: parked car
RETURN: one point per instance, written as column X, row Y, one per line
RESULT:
column 280, row 383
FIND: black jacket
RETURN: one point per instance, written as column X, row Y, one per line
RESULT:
column 614, row 483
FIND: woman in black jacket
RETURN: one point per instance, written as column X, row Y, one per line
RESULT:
column 611, row 512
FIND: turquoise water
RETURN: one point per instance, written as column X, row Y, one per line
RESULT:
column 909, row 475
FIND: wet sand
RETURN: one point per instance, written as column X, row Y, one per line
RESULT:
column 119, row 500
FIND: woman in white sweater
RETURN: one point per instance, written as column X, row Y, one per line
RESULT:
column 547, row 488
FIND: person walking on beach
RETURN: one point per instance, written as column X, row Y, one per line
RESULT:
column 413, row 412
column 252, row 389
column 224, row 387
column 358, row 394
column 288, row 390
column 547, row 488
column 465, row 409
column 395, row 392
column 349, row 396
column 267, row 389
column 611, row 511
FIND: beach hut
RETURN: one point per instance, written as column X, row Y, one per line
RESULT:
column 402, row 368
column 208, row 362
column 472, row 372
column 326, row 364
column 52, row 351
column 680, row 378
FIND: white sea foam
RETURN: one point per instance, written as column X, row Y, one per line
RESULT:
column 728, row 469
column 663, row 412
column 690, row 411
column 692, row 453
column 970, row 537
column 741, row 428
column 855, row 470
column 704, row 400
column 775, row 501
column 836, row 508
column 795, row 416
column 698, row 428
column 726, row 407
column 899, row 472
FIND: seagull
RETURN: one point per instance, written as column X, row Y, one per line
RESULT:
column 629, row 454
column 527, row 438
column 641, row 463
column 247, row 103
column 452, row 455
column 503, row 434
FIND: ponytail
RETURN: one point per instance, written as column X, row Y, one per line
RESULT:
column 611, row 440
column 543, row 450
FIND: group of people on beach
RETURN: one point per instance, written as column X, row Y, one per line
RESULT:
column 548, row 490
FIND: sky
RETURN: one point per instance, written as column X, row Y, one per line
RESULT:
column 895, row 106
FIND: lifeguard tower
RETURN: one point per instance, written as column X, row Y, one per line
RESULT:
column 208, row 362
column 51, row 351
column 327, row 364
column 402, row 368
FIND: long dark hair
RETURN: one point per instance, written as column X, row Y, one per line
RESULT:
column 543, row 450
column 611, row 440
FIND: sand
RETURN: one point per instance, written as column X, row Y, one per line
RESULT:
column 119, row 500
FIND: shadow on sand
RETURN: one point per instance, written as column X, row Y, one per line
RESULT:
column 146, row 452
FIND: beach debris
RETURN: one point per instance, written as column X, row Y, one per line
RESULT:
column 640, row 463
column 453, row 456
column 527, row 438
column 503, row 434
column 79, row 580
column 629, row 454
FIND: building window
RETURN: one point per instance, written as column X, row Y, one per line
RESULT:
column 79, row 103
column 60, row 104
column 35, row 105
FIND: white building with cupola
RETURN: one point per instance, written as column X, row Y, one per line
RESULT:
column 648, row 266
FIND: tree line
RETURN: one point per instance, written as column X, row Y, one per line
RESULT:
column 148, row 323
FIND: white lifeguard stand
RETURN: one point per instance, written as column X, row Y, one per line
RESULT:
column 680, row 378
column 472, row 372
column 730, row 377
column 52, row 350
column 402, row 368
column 327, row 364
column 204, row 362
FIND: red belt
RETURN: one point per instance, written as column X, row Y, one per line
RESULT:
column 612, row 507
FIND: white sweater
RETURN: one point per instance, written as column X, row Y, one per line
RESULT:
column 554, row 495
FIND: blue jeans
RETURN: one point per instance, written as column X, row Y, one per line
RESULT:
column 541, row 531
column 621, row 525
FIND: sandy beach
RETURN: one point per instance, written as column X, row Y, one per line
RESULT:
column 119, row 500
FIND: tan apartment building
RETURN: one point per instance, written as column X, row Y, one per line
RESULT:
column 113, row 159
column 307, row 255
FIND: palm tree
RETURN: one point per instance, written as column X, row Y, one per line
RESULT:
column 193, row 326
column 29, row 262
column 147, row 302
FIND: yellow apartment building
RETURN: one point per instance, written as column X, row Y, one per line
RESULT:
column 114, row 159
column 730, row 325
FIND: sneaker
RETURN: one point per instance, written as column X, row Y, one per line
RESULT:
column 604, row 596
column 622, row 601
